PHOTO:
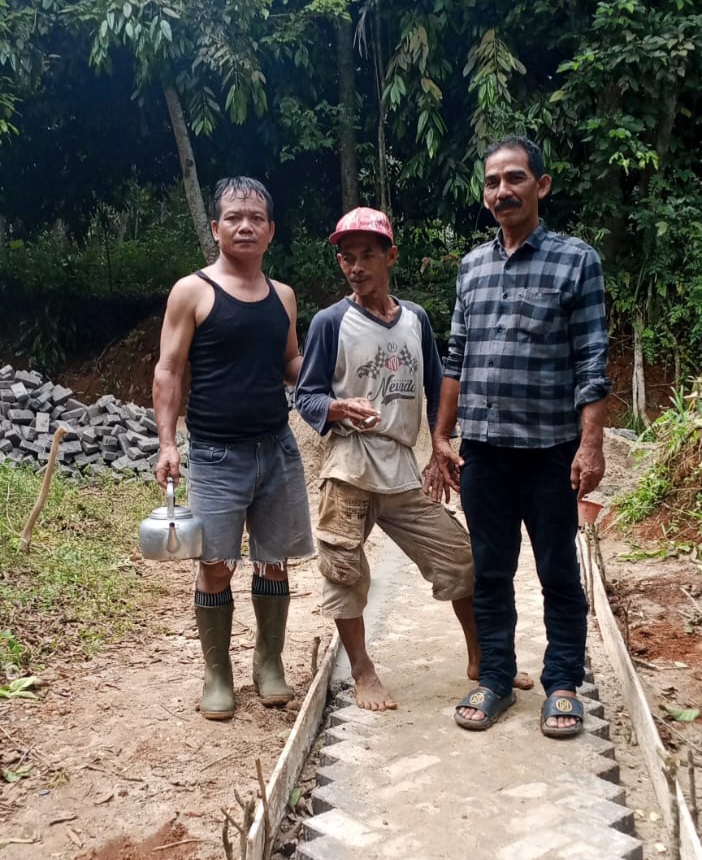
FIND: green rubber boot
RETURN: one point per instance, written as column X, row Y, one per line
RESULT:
column 215, row 626
column 268, row 672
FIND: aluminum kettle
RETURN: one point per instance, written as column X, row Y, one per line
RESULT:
column 171, row 532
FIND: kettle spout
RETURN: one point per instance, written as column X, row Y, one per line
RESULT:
column 173, row 542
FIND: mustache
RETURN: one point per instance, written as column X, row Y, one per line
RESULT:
column 509, row 203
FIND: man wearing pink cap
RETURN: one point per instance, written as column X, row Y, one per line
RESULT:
column 369, row 362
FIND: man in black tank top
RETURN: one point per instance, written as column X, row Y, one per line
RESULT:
column 236, row 328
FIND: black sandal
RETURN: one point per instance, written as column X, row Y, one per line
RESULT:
column 562, row 706
column 486, row 701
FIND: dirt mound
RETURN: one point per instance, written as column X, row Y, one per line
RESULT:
column 124, row 368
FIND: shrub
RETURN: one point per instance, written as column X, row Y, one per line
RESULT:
column 672, row 484
column 53, row 282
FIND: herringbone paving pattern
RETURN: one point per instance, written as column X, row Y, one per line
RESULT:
column 410, row 784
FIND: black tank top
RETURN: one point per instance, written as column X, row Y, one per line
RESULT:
column 237, row 367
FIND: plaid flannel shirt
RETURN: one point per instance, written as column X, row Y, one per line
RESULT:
column 528, row 340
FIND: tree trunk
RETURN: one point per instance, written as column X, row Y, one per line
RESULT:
column 379, row 62
column 638, row 382
column 193, row 193
column 664, row 129
column 348, row 153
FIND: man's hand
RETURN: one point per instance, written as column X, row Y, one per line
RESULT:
column 587, row 469
column 168, row 465
column 443, row 472
column 358, row 410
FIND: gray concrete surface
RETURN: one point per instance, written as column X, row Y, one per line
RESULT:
column 411, row 784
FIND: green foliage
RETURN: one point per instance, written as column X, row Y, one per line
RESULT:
column 46, row 338
column 674, row 479
column 646, row 499
column 490, row 66
column 22, row 26
column 193, row 43
column 681, row 715
column 309, row 265
column 12, row 654
column 633, row 422
column 426, row 272
column 627, row 94
column 78, row 588
column 11, row 775
column 8, row 101
column 309, row 129
column 20, row 688
column 610, row 90
column 52, row 283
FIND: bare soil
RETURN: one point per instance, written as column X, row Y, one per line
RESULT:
column 123, row 766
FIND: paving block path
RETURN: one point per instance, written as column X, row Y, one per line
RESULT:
column 411, row 784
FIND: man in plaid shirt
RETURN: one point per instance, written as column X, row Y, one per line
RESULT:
column 525, row 377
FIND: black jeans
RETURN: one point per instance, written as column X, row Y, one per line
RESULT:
column 500, row 489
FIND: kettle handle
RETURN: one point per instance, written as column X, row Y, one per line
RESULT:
column 170, row 498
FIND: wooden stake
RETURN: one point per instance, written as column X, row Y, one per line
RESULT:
column 315, row 654
column 267, row 835
column 694, row 812
column 39, row 504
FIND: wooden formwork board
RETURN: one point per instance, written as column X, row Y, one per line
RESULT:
column 293, row 756
column 667, row 789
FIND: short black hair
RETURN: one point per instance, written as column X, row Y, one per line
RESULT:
column 241, row 186
column 535, row 156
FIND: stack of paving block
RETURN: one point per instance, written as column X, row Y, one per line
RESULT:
column 106, row 435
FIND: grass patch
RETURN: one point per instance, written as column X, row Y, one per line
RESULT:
column 77, row 589
column 669, row 496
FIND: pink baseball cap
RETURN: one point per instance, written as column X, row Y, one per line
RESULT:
column 363, row 220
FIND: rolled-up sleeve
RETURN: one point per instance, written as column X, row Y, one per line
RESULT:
column 588, row 331
column 453, row 364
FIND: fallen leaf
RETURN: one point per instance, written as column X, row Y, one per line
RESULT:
column 16, row 775
column 682, row 715
column 103, row 798
column 660, row 848
column 19, row 688
column 74, row 837
column 63, row 816
column 654, row 816
column 17, row 840
column 679, row 665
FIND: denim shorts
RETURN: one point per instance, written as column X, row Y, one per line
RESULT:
column 258, row 484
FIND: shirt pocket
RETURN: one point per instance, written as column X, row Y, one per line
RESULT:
column 540, row 313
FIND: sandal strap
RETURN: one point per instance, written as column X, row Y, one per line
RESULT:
column 562, row 706
column 481, row 698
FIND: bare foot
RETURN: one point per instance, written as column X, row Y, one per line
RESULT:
column 522, row 680
column 371, row 695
